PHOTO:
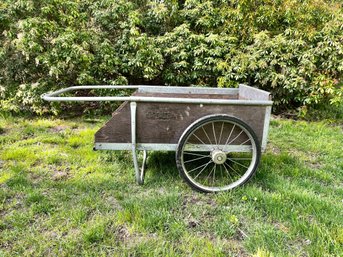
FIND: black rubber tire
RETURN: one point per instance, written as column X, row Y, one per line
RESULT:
column 193, row 127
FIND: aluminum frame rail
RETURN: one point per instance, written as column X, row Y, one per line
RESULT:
column 55, row 96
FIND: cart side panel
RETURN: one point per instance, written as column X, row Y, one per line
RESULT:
column 164, row 123
column 118, row 128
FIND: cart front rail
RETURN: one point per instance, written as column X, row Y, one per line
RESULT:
column 56, row 96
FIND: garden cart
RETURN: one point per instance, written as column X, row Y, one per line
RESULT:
column 218, row 134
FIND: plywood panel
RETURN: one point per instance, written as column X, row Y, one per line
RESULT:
column 165, row 123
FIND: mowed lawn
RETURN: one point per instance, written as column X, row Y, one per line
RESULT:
column 60, row 198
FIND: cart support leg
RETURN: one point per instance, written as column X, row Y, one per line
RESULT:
column 139, row 172
column 266, row 127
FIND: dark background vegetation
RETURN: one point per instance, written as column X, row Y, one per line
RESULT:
column 292, row 48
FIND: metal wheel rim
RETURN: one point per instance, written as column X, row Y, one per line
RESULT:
column 246, row 174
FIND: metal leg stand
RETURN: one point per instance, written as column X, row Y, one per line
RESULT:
column 140, row 172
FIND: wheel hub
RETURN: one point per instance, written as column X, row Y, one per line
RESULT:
column 218, row 157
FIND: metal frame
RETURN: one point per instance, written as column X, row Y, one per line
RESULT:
column 54, row 97
column 163, row 147
column 256, row 98
column 266, row 127
column 133, row 107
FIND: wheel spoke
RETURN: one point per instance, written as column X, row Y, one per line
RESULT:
column 245, row 141
column 208, row 176
column 199, row 139
column 227, row 171
column 197, row 154
column 235, row 137
column 214, row 133
column 227, row 140
column 238, row 163
column 200, row 167
column 197, row 159
column 221, row 133
column 232, row 169
column 206, row 134
column 206, row 164
column 221, row 171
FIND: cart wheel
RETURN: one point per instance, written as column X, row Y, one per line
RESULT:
column 217, row 153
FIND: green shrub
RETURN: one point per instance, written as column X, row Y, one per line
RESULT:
column 292, row 48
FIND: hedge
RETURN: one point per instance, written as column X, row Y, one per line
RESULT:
column 292, row 48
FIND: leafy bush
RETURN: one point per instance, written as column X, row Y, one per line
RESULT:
column 292, row 48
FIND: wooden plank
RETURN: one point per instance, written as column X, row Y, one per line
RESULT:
column 118, row 128
column 165, row 122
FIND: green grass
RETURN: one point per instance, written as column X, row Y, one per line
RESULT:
column 58, row 197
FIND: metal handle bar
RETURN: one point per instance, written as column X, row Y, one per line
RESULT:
column 55, row 96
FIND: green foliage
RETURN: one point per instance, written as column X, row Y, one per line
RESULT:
column 292, row 48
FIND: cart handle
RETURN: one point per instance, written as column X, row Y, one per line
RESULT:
column 55, row 96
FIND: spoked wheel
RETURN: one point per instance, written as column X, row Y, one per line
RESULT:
column 217, row 153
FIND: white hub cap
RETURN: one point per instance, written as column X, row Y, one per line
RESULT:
column 218, row 157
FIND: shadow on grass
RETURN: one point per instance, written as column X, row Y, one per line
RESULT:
column 161, row 166
column 272, row 171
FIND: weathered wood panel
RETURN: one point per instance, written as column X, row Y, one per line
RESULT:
column 165, row 123
column 118, row 128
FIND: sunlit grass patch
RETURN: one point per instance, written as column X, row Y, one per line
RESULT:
column 4, row 176
column 58, row 196
column 80, row 138
column 19, row 154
